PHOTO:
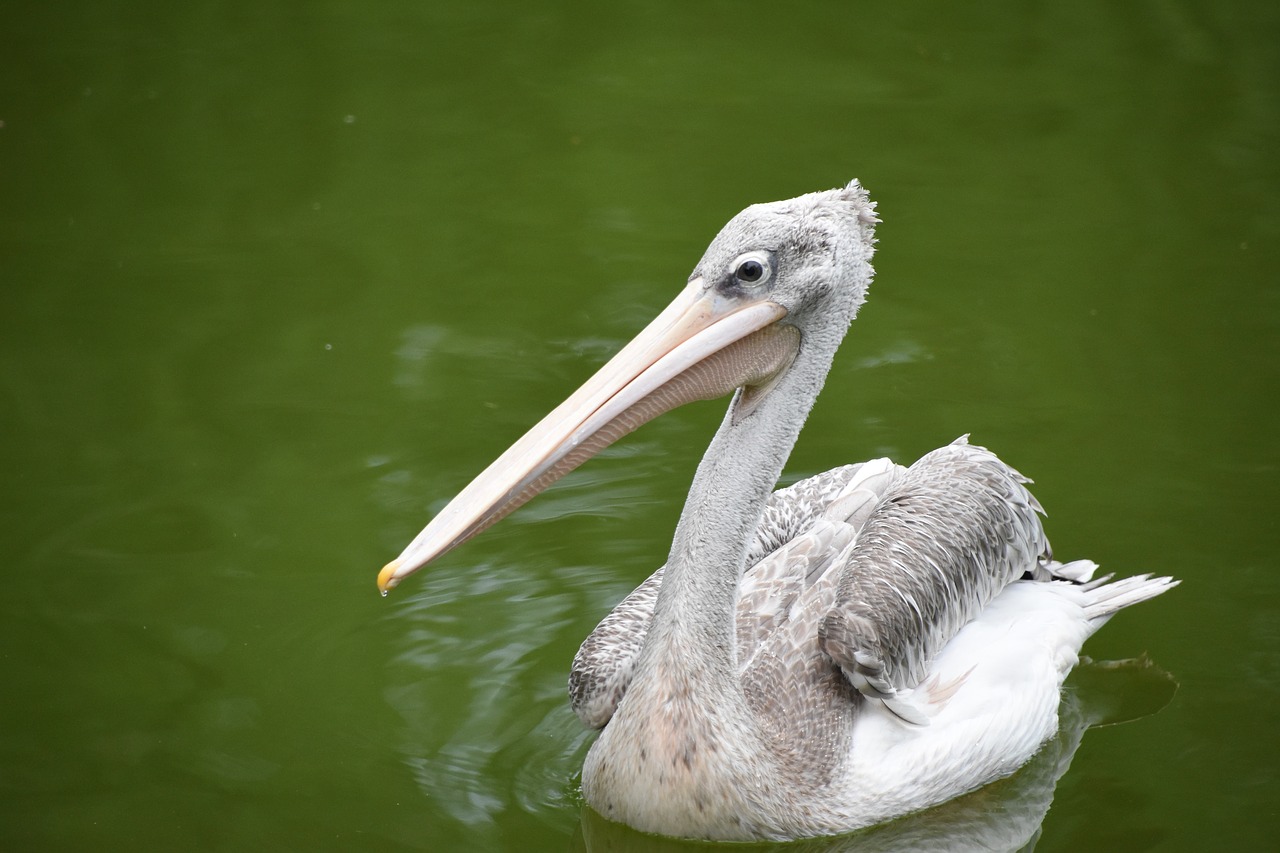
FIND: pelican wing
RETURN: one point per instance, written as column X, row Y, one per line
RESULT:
column 948, row 535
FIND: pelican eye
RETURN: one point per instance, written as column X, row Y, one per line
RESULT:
column 753, row 268
column 750, row 271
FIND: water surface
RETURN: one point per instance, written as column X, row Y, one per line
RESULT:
column 276, row 279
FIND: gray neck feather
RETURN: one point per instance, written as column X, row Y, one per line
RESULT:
column 693, row 627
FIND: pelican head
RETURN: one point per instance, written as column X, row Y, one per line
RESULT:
column 778, row 277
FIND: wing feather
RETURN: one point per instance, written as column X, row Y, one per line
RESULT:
column 944, row 540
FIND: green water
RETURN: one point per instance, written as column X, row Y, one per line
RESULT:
column 276, row 279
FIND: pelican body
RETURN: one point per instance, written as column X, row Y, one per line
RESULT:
column 866, row 643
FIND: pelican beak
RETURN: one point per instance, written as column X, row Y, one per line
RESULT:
column 704, row 345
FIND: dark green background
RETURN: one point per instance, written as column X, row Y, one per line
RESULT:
column 278, row 278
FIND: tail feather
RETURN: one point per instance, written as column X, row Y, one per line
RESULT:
column 1106, row 599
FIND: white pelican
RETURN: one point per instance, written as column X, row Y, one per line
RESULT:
column 866, row 643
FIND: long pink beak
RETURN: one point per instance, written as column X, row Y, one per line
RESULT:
column 702, row 346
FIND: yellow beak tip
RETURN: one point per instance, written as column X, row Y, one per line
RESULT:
column 387, row 579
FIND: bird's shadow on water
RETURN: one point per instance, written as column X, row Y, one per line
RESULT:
column 1003, row 816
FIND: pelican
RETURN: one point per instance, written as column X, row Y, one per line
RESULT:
column 863, row 644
